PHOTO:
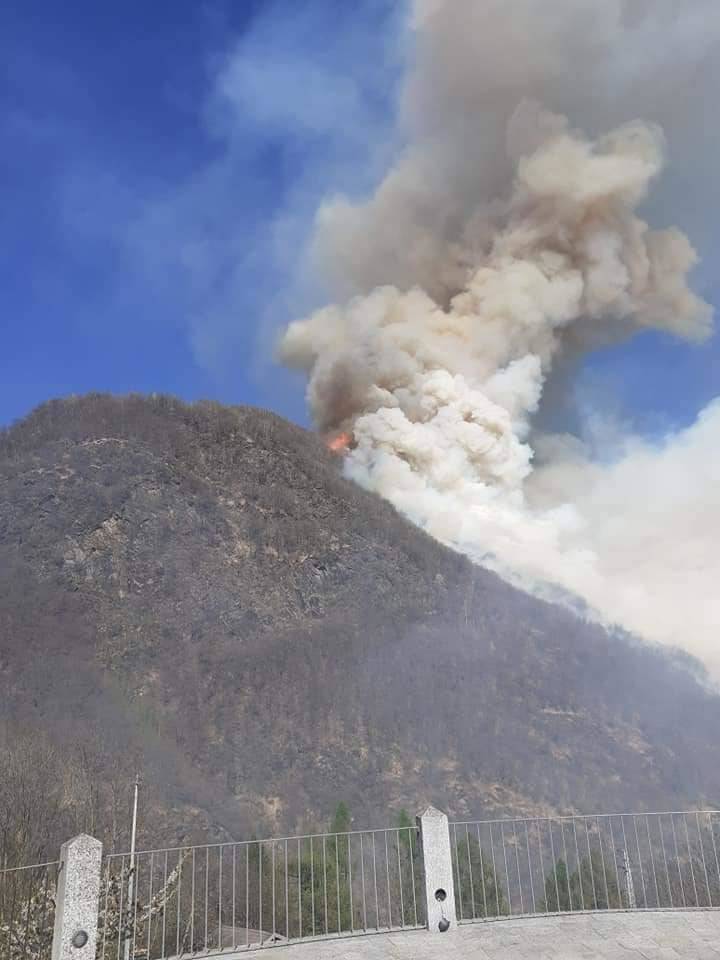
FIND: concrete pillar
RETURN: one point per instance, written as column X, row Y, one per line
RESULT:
column 78, row 892
column 437, row 860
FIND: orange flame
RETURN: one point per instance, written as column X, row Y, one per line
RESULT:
column 340, row 443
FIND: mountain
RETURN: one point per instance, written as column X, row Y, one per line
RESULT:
column 198, row 592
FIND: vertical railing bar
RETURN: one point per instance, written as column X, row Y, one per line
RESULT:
column 287, row 895
column 579, row 864
column 19, row 895
column 24, row 889
column 177, row 912
column 105, row 912
column 626, row 857
column 592, row 866
column 507, row 872
column 530, row 873
column 23, row 885
column 350, row 888
column 540, row 852
column 33, row 885
column 150, row 900
column 312, row 883
column 455, row 867
column 46, row 898
column 30, row 886
column 642, row 872
column 165, row 900
column 456, row 858
column 554, row 865
column 41, row 881
column 677, row 860
column 470, row 869
column 482, row 871
column 337, row 880
column 652, row 862
column 602, row 860
column 35, row 881
column 192, row 902
column 260, row 890
column 517, row 861
column 717, row 862
column 702, row 854
column 324, row 849
column 6, row 881
column 247, row 894
column 14, row 896
column 362, row 877
column 26, row 885
column 16, row 907
column 690, row 858
column 567, row 863
column 299, row 863
column 495, row 876
column 14, row 903
column 121, row 931
column 274, row 871
column 664, row 853
column 31, row 880
column 400, row 883
column 615, row 865
column 136, row 888
column 234, row 896
column 412, row 873
column 49, row 915
column 387, row 871
column 221, row 853
column 377, row 903
column 207, row 893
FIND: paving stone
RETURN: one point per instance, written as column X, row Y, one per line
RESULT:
column 622, row 936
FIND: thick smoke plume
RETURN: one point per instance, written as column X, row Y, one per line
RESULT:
column 505, row 242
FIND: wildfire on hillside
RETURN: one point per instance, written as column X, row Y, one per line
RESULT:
column 339, row 443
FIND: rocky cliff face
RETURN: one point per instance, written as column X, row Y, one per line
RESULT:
column 199, row 587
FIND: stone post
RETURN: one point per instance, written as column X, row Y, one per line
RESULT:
column 439, row 884
column 78, row 892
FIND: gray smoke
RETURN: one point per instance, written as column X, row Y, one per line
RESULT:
column 506, row 238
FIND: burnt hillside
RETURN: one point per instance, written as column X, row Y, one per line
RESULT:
column 198, row 591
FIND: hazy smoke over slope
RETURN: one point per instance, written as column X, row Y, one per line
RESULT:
column 502, row 242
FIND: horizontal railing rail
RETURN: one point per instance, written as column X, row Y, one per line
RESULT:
column 201, row 900
column 565, row 864
column 27, row 910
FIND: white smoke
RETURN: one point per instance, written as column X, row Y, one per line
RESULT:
column 501, row 243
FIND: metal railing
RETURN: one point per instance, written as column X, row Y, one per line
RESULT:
column 201, row 900
column 27, row 911
column 525, row 867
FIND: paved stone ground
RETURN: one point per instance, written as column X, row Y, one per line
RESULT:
column 620, row 936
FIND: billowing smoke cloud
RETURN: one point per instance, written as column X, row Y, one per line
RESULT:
column 502, row 243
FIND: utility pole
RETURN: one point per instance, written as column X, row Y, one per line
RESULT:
column 131, row 882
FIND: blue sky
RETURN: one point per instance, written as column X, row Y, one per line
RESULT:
column 160, row 166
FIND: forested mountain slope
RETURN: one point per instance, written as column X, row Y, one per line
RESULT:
column 196, row 591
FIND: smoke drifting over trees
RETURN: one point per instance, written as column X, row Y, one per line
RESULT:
column 506, row 241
